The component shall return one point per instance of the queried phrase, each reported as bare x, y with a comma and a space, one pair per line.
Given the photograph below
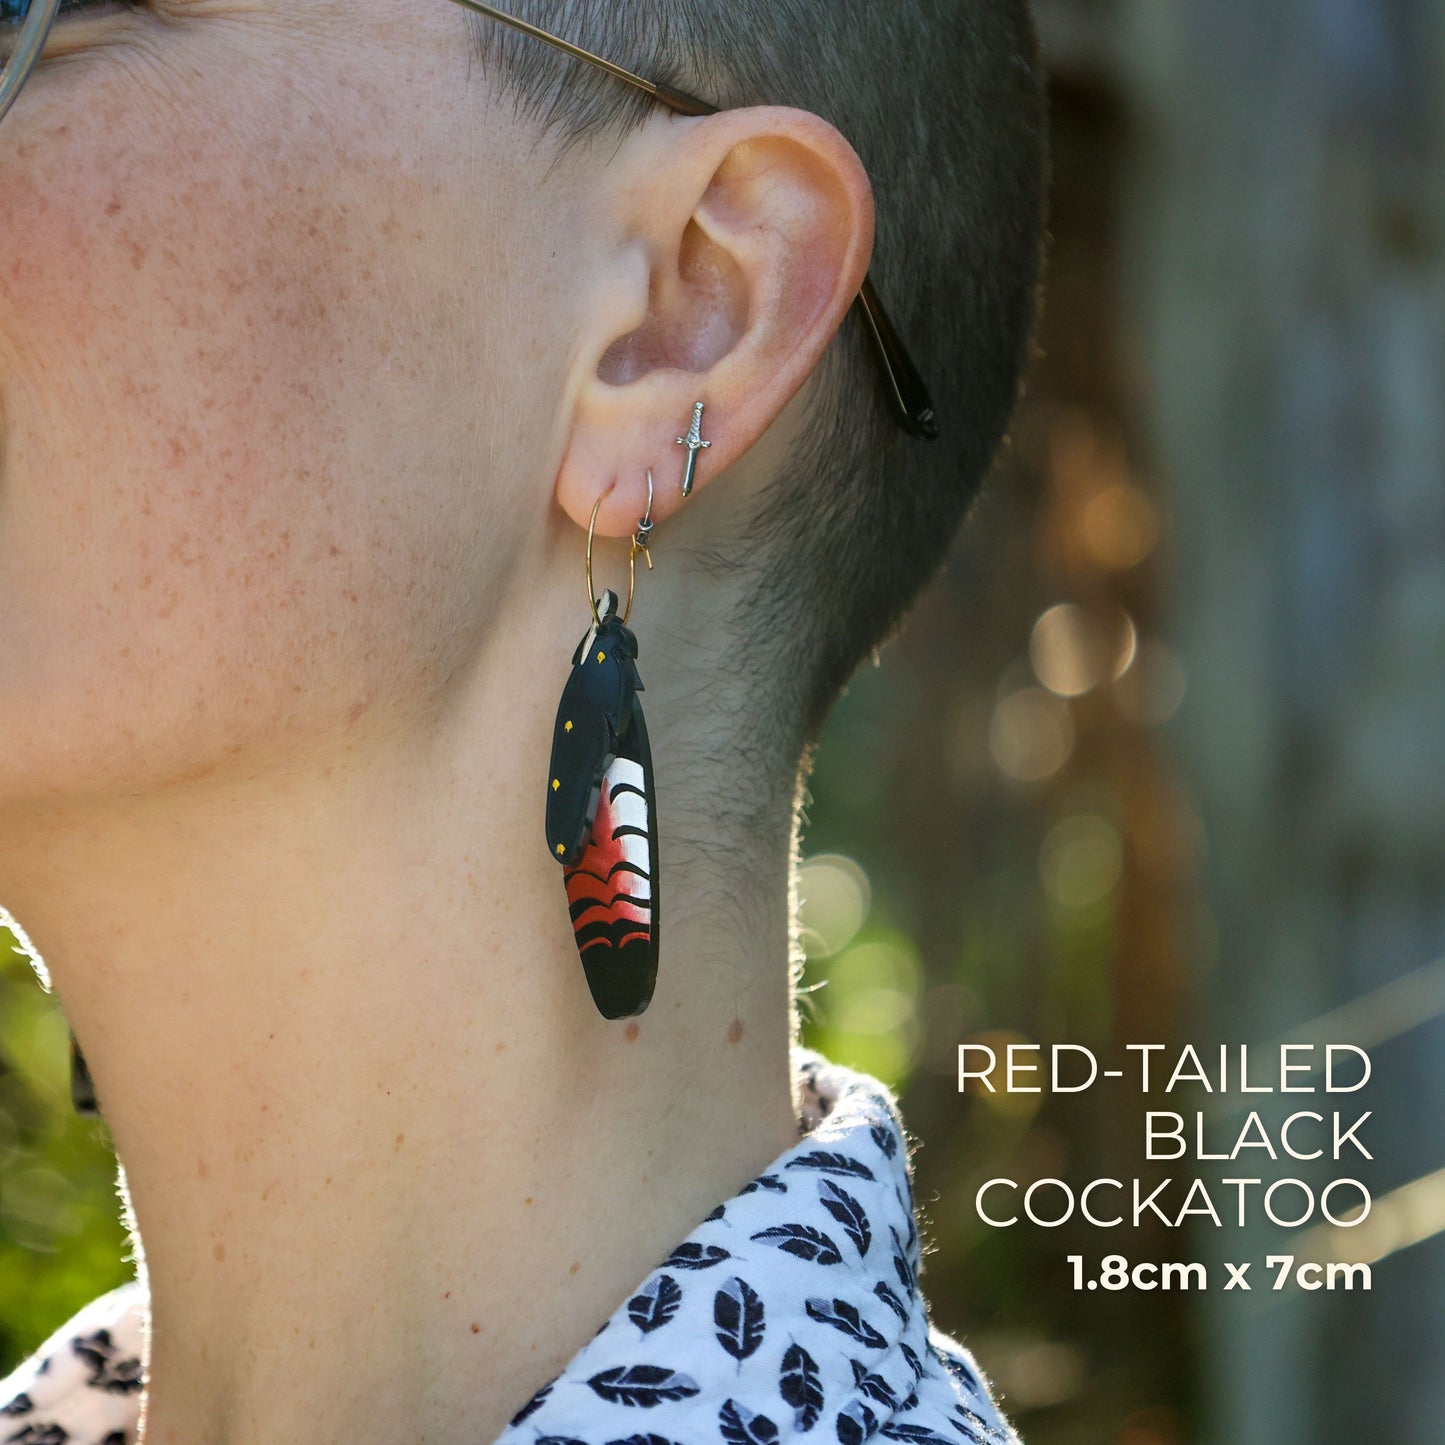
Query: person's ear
741, 240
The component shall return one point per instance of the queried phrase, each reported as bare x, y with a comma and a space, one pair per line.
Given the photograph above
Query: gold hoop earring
639, 544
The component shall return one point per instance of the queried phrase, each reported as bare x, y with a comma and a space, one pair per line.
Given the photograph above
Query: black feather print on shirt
877, 1388
920, 1434
803, 1240
891, 1300
532, 1405
903, 1265
741, 1426
830, 1163
111, 1368
885, 1139
856, 1423
737, 1313
975, 1428
655, 1304
957, 1368
765, 1181
905, 1206
801, 1386
41, 1435
845, 1317
642, 1385
695, 1256
848, 1212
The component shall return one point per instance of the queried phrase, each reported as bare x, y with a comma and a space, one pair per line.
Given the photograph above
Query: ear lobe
757, 225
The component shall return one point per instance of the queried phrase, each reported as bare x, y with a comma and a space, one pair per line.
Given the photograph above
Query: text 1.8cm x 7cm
1117, 1273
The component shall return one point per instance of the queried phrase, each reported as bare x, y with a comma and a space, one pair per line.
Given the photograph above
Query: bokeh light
866, 1009
1120, 526
1074, 649
1032, 735
1081, 860
833, 901
1150, 692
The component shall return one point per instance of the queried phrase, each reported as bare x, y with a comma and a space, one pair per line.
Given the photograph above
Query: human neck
388, 1167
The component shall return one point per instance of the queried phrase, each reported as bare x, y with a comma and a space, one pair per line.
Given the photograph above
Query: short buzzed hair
943, 101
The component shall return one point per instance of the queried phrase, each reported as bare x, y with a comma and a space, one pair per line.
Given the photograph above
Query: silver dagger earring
694, 443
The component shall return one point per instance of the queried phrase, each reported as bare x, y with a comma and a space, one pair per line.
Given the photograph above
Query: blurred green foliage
61, 1242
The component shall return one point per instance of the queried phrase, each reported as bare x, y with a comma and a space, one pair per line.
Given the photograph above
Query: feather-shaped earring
601, 802
601, 807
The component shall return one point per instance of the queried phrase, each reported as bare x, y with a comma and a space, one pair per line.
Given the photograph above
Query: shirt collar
791, 1312
793, 1305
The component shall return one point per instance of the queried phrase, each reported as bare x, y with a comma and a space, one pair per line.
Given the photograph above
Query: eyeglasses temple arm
22, 61
906, 389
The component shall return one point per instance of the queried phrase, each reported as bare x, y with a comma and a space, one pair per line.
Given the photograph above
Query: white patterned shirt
792, 1313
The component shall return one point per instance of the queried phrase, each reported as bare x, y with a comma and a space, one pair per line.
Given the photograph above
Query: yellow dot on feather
601, 657
556, 783
567, 726
561, 847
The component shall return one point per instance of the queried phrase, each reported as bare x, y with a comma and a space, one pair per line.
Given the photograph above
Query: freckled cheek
197, 510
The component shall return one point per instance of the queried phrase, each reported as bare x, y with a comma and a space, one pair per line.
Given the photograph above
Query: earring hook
644, 527
639, 542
